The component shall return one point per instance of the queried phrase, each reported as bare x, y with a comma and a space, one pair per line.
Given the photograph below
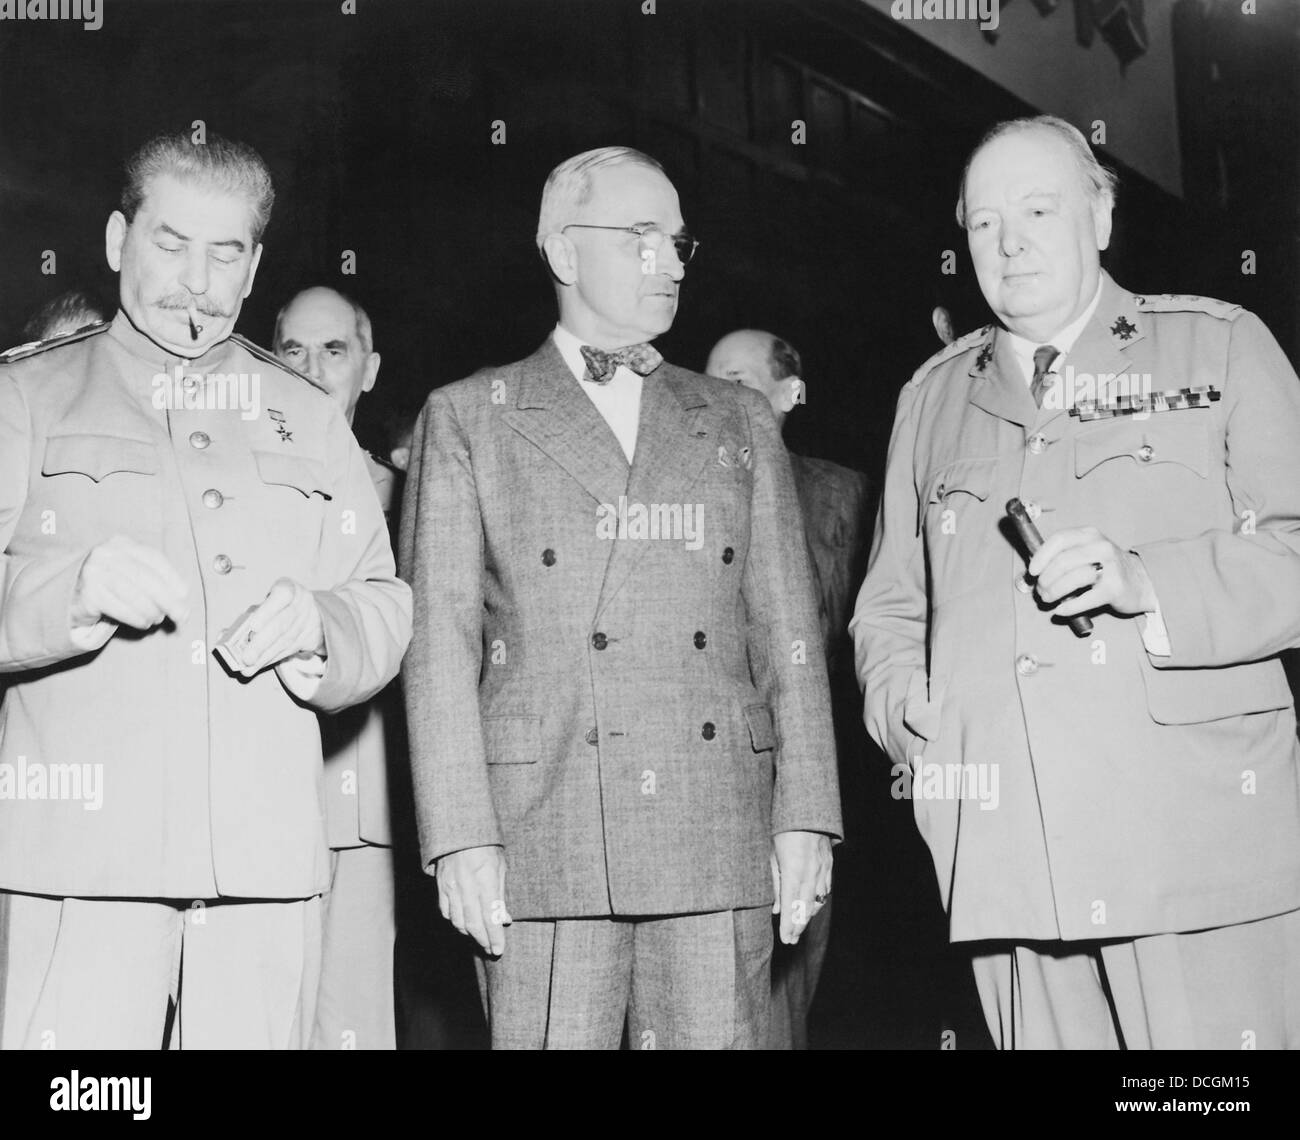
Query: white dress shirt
619, 401
1155, 636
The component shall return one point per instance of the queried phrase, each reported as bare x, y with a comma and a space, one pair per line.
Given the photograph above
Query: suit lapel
1101, 350
556, 415
676, 435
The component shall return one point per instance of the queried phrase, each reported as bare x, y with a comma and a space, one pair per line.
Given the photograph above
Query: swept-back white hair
1099, 182
568, 187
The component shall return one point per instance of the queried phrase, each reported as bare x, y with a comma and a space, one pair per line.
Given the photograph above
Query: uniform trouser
100, 973
795, 972
355, 1006
697, 981
1227, 988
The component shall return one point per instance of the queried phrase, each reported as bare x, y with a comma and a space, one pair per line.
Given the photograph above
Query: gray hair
365, 332
1099, 182
568, 188
220, 163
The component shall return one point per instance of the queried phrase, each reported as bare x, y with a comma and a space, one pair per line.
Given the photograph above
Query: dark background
378, 130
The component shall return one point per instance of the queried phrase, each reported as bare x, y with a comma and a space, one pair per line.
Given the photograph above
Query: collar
570, 348
1023, 350
143, 348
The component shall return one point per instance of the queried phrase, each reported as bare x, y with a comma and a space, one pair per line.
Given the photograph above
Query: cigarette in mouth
195, 327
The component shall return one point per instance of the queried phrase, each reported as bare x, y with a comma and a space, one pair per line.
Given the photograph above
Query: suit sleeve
441, 556
785, 640
890, 618
1230, 596
35, 593
366, 617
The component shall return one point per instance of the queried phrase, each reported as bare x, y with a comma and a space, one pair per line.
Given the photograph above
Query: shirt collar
571, 349
1063, 341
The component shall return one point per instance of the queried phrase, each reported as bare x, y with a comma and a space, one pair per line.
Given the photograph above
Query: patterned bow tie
641, 358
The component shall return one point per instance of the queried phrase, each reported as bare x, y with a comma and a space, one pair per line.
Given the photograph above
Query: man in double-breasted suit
617, 701
1113, 813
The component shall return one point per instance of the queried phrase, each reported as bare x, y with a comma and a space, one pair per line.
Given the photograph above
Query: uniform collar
143, 348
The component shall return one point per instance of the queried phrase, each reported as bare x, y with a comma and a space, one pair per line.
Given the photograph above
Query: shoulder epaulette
960, 345
35, 347
1184, 303
270, 357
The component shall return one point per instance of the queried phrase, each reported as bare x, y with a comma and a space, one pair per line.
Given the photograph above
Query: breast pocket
1166, 445
101, 485
293, 504
960, 528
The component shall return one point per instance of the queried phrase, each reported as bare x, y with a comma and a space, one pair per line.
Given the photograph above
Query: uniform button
190, 383
599, 640
212, 498
592, 737
548, 557
222, 564
1038, 443
1026, 665
1024, 585
708, 731
1032, 509
1145, 452
728, 555
700, 640
199, 439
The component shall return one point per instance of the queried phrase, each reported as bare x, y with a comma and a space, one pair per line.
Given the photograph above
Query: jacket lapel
676, 435
997, 385
1101, 350
555, 414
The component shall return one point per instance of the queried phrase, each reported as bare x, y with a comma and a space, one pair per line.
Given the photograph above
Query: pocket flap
1145, 443
969, 476
98, 455
762, 736
1191, 696
296, 471
512, 739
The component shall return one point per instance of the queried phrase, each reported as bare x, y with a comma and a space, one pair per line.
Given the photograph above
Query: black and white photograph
650, 525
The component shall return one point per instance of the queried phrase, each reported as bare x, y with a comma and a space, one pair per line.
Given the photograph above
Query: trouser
1232, 987
355, 1006
101, 973
795, 972
697, 981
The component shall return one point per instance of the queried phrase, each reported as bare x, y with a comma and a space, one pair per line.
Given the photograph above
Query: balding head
762, 361
327, 335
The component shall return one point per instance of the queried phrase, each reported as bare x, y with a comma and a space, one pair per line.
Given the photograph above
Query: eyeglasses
651, 238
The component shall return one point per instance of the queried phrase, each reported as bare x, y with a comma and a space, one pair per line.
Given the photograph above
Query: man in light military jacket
619, 721
194, 565
1114, 818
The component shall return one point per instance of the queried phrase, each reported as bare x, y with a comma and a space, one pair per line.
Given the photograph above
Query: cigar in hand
1080, 623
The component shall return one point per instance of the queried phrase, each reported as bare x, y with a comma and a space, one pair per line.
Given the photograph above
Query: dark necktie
641, 358
1043, 358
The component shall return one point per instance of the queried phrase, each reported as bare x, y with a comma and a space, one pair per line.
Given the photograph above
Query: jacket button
1026, 665
548, 557
222, 564
708, 731
1024, 585
1145, 452
700, 640
1038, 443
592, 737
728, 555
212, 498
199, 439
599, 640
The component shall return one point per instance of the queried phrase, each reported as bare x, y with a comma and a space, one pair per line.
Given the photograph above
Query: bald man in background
833, 502
327, 336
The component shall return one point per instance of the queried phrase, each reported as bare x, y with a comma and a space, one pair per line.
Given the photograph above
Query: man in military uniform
329, 338
194, 565
1113, 814
833, 505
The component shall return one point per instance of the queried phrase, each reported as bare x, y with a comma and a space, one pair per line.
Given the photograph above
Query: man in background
833, 503
328, 337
